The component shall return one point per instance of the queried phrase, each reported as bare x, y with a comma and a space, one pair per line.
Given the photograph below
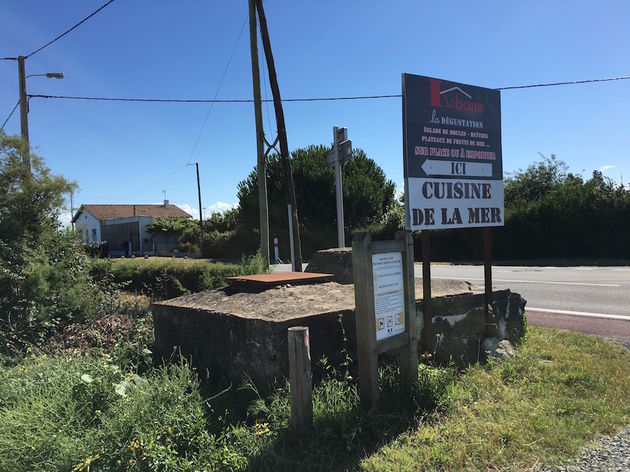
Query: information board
452, 154
389, 294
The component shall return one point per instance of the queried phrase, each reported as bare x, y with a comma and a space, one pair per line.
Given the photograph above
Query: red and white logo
452, 98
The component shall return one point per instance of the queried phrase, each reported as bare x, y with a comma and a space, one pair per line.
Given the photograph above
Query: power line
68, 30
295, 100
148, 186
203, 100
573, 82
227, 66
212, 102
10, 115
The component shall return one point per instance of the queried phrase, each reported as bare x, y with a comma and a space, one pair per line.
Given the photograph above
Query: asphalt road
592, 300
587, 299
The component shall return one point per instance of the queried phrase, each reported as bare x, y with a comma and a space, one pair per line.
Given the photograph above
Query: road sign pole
491, 327
340, 152
341, 237
427, 304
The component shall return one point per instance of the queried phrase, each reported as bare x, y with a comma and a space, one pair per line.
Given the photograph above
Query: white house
124, 227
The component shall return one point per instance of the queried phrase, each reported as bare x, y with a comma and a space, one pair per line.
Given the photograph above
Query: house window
94, 234
87, 238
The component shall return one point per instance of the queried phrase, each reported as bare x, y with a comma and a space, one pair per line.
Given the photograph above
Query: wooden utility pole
260, 137
72, 208
200, 214
26, 152
282, 134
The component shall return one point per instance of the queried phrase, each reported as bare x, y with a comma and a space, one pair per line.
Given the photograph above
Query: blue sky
130, 152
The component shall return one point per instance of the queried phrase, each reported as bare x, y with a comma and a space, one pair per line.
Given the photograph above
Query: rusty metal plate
279, 278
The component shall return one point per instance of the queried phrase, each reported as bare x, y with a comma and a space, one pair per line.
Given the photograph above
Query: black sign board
452, 154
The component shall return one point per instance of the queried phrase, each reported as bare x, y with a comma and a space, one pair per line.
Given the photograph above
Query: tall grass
84, 413
94, 413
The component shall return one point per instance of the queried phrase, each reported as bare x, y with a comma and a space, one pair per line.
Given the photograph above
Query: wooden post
26, 147
408, 355
260, 137
364, 317
300, 379
282, 134
491, 328
427, 304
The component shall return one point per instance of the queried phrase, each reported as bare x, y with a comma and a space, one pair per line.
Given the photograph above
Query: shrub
44, 280
230, 244
168, 278
45, 289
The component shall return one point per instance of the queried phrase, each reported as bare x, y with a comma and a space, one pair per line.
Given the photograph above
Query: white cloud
606, 167
220, 207
193, 211
65, 218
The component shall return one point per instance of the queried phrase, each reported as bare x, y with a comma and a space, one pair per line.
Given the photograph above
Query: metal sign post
384, 293
340, 153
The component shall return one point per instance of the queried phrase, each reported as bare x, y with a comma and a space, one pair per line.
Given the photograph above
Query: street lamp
49, 75
26, 158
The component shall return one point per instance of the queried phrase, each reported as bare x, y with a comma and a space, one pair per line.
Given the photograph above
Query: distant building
124, 227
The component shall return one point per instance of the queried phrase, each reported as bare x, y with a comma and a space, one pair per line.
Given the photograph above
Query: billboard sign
453, 165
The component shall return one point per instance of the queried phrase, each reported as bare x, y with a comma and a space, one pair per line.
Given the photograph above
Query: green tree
222, 221
552, 213
534, 183
367, 195
44, 272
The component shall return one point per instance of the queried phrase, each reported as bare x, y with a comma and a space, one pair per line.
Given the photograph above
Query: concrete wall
229, 346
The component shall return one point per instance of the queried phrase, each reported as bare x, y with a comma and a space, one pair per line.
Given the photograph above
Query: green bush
230, 244
168, 278
44, 280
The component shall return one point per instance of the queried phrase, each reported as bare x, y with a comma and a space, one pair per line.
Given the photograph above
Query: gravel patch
610, 454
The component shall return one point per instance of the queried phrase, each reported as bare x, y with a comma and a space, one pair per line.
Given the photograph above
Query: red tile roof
112, 212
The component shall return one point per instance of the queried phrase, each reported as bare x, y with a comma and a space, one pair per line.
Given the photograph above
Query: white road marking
579, 313
513, 281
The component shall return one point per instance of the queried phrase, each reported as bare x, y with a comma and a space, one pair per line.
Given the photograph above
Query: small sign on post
384, 287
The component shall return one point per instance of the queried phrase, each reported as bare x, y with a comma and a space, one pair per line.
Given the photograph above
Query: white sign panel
389, 294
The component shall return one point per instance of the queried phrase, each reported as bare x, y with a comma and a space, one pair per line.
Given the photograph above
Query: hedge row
167, 278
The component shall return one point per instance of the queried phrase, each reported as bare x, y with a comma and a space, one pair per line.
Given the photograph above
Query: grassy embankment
112, 410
